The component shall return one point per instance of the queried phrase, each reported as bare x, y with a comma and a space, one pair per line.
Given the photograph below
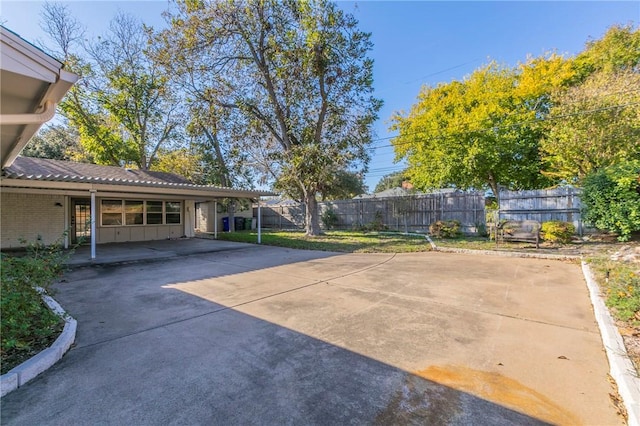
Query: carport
52, 201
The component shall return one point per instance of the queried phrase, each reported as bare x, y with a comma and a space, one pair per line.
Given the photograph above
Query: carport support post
259, 223
93, 224
67, 229
215, 220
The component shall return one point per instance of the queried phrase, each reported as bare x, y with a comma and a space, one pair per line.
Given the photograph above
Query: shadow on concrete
155, 350
147, 251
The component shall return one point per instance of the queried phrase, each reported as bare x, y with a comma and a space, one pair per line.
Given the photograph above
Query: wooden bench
519, 230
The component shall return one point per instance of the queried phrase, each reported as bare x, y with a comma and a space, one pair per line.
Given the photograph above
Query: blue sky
416, 43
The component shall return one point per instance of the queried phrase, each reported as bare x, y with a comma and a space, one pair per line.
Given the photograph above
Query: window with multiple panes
111, 212
172, 211
154, 212
138, 212
133, 212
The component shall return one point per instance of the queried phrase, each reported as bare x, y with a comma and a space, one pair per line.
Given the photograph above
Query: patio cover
32, 84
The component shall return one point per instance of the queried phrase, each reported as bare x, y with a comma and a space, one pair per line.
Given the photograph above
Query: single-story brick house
44, 199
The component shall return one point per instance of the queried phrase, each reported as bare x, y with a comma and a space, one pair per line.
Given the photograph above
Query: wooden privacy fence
413, 213
417, 212
543, 205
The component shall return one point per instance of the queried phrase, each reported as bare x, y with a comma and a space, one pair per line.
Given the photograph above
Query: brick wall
27, 216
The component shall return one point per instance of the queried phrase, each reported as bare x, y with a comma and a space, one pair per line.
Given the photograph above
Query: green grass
480, 243
338, 241
621, 289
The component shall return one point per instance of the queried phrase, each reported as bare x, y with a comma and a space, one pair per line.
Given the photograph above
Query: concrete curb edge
41, 362
507, 253
621, 367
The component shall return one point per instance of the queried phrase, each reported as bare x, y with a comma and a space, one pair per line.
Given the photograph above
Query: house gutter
33, 118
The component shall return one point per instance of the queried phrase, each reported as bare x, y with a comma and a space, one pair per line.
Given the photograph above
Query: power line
508, 115
386, 170
508, 126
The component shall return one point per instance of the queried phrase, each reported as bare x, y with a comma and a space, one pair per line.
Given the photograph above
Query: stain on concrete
419, 402
498, 389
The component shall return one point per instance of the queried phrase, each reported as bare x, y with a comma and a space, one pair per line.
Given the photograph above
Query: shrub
377, 224
26, 320
481, 230
611, 198
329, 218
557, 231
445, 229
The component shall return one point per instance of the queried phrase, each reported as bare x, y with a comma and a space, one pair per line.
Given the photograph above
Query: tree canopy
391, 180
123, 107
474, 133
549, 119
57, 142
294, 79
597, 125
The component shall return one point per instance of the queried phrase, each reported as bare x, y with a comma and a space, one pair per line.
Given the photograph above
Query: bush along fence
415, 213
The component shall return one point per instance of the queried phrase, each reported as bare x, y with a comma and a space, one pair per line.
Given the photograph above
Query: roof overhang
32, 84
201, 193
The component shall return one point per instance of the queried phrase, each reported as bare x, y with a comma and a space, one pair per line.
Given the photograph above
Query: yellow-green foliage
557, 231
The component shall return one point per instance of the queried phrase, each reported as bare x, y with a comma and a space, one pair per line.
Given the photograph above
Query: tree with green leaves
57, 142
294, 75
391, 180
595, 122
343, 185
123, 107
479, 132
617, 50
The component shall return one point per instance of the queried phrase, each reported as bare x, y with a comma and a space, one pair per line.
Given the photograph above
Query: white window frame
123, 212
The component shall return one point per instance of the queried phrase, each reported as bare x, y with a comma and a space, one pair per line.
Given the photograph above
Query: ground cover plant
27, 325
338, 241
620, 285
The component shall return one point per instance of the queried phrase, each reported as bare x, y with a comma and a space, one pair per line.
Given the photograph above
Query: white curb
519, 254
29, 369
621, 367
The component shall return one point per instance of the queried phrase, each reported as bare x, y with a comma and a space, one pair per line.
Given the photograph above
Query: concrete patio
245, 334
113, 253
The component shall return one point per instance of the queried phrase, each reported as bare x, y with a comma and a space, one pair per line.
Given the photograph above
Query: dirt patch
631, 337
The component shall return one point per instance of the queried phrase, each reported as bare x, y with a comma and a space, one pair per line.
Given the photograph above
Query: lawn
338, 241
366, 242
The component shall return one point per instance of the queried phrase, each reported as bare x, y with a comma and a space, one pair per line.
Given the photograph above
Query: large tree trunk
225, 176
312, 224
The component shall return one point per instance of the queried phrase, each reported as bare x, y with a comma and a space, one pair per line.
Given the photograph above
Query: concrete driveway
264, 335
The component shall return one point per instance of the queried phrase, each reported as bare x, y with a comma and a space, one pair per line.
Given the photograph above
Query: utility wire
503, 127
386, 170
